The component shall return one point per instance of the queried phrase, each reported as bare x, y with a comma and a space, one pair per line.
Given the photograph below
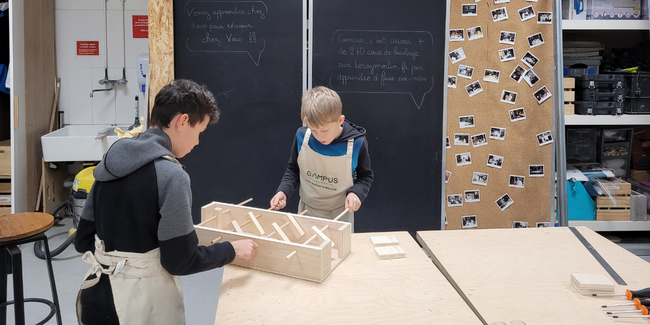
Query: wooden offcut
293, 245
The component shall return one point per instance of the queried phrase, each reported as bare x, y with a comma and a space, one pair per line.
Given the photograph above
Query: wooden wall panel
40, 84
161, 46
520, 147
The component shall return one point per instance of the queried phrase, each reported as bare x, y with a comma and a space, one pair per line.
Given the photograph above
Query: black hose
38, 245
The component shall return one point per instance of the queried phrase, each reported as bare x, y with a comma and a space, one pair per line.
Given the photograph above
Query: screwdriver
643, 293
636, 303
643, 310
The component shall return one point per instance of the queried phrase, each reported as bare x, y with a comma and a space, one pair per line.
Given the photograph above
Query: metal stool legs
17, 270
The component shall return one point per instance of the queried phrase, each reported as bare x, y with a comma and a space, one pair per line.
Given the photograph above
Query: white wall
83, 20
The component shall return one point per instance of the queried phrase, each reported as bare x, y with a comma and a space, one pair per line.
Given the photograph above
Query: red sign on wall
87, 47
140, 26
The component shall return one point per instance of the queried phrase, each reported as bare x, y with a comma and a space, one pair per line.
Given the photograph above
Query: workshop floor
201, 291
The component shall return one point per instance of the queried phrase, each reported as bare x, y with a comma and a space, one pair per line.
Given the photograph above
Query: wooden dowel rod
342, 214
303, 213
216, 240
291, 254
249, 221
225, 211
273, 232
242, 203
310, 239
205, 222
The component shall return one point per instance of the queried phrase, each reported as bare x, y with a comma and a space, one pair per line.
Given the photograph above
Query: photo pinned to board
504, 201
519, 224
507, 37
535, 40
472, 196
491, 75
535, 170
454, 200
466, 121
517, 73
506, 55
447, 176
531, 78
447, 144
469, 10
516, 181
517, 114
479, 140
530, 60
544, 138
473, 88
480, 178
508, 96
461, 139
457, 55
456, 35
530, 0
526, 13
495, 161
463, 159
543, 224
451, 81
496, 2
497, 133
469, 221
544, 18
499, 14
465, 71
542, 94
474, 33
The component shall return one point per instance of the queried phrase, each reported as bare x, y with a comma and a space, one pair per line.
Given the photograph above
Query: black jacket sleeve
291, 179
365, 176
85, 235
184, 256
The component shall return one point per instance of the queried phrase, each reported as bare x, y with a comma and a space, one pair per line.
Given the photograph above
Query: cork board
488, 132
161, 46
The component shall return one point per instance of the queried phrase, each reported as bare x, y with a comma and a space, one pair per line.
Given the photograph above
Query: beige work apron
324, 182
143, 291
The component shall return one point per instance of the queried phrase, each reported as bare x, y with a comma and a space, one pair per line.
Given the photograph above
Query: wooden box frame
289, 244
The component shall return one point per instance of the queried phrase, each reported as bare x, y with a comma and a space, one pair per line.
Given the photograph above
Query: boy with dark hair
136, 227
329, 160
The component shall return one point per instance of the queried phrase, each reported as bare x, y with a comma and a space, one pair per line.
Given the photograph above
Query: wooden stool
16, 229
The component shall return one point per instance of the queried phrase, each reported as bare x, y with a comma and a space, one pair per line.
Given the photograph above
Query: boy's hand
245, 249
352, 202
279, 201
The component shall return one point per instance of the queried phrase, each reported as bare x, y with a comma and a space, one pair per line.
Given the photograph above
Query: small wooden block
569, 109
389, 252
569, 96
597, 282
377, 241
569, 83
257, 224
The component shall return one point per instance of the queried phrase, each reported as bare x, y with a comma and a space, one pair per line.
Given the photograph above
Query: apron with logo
324, 182
143, 291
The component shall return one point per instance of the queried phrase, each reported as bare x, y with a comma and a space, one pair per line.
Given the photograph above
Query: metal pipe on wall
560, 142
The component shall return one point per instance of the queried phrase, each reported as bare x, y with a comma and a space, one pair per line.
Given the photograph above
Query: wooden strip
296, 229
292, 254
280, 232
321, 234
274, 232
253, 219
236, 226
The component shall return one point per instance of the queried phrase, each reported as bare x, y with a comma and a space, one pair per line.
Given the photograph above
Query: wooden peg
249, 221
207, 221
291, 254
242, 203
303, 213
237, 227
226, 211
296, 229
310, 239
342, 214
321, 234
257, 224
280, 232
216, 240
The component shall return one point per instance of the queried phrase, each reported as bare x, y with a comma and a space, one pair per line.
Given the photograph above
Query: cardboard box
613, 9
5, 158
640, 175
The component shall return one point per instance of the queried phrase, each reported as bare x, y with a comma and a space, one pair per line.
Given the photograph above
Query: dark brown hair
183, 97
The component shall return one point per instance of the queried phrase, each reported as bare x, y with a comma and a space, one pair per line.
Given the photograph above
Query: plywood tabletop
525, 274
362, 290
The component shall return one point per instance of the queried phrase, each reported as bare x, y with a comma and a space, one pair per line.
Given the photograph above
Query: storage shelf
624, 119
612, 225
605, 25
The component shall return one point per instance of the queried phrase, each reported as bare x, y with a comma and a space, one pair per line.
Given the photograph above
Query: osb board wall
161, 46
40, 84
520, 147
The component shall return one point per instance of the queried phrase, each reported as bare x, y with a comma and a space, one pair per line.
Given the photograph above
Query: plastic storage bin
598, 108
637, 94
580, 205
581, 145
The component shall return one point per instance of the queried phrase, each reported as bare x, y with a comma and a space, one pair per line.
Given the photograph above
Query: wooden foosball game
294, 245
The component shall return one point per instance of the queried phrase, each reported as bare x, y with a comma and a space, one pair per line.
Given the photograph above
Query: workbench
362, 290
525, 274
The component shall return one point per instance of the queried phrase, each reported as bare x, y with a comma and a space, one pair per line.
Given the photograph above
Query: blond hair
320, 105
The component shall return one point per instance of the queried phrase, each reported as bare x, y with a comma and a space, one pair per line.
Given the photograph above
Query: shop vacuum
71, 208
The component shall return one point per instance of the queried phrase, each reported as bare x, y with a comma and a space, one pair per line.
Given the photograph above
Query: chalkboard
386, 60
250, 55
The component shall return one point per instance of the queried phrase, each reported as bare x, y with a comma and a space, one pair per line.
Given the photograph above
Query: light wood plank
525, 274
362, 290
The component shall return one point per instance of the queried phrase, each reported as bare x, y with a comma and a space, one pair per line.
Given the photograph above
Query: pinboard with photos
499, 114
